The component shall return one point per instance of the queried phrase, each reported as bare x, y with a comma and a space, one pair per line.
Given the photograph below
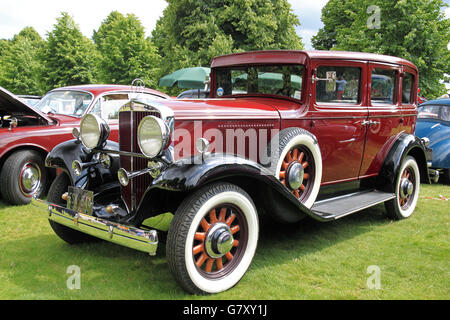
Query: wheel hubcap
297, 172
30, 178
295, 175
406, 188
219, 241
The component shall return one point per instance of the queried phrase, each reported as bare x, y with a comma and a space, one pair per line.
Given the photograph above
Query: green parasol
191, 78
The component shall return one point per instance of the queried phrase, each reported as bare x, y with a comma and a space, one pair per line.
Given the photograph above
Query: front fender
406, 144
62, 156
187, 175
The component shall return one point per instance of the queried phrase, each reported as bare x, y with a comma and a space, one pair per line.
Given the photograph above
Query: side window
338, 84
108, 106
383, 86
407, 88
445, 113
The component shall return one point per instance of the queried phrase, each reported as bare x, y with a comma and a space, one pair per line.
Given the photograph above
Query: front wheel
22, 177
212, 238
406, 190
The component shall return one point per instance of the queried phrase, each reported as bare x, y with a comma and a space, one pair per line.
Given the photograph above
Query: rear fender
405, 145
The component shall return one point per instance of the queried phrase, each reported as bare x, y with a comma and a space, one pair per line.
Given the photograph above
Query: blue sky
42, 14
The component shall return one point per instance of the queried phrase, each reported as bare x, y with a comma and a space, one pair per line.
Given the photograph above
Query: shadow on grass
292, 241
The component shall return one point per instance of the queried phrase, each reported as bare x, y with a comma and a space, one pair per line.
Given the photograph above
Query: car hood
202, 109
10, 104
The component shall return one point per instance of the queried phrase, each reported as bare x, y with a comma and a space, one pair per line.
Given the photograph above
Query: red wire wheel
220, 241
297, 172
212, 238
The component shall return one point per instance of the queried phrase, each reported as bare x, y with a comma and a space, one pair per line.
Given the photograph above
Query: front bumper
127, 236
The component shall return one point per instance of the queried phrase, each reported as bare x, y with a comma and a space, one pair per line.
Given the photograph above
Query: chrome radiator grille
128, 125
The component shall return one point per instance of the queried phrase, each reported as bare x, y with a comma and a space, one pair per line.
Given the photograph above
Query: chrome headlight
94, 131
153, 136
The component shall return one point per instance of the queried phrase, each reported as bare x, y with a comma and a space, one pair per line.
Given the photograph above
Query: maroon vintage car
28, 133
289, 134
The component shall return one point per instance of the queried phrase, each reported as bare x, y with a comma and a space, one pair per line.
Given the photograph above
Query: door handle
369, 122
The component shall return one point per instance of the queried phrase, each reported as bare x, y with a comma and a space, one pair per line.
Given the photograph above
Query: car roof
97, 89
436, 102
300, 56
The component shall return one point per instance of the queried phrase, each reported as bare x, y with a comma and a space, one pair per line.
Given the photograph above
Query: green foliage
20, 64
191, 32
415, 30
68, 57
125, 52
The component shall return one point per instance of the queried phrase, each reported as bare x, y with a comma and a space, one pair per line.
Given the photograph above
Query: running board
335, 208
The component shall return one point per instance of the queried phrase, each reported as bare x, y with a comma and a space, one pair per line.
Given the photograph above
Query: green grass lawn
311, 260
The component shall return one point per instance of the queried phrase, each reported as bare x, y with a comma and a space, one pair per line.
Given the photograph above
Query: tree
68, 57
20, 64
125, 52
191, 32
415, 30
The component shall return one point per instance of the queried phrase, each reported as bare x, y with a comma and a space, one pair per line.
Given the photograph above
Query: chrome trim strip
121, 153
127, 236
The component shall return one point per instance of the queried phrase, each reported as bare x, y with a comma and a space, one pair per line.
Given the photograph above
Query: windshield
439, 112
283, 80
71, 103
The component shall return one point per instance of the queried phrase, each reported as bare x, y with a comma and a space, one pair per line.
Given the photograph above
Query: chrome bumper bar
127, 236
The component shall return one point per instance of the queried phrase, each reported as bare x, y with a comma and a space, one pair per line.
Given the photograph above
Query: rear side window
407, 88
338, 84
383, 86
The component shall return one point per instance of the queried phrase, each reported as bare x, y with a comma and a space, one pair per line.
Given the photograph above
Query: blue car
434, 123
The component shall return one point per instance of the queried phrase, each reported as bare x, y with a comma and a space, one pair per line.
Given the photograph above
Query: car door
385, 120
337, 117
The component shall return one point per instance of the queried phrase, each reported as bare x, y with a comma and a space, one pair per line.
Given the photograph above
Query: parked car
30, 99
27, 134
433, 123
323, 147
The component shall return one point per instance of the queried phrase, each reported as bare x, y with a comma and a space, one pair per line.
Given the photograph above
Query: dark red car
27, 134
290, 134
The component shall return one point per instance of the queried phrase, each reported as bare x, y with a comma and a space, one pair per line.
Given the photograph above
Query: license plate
80, 200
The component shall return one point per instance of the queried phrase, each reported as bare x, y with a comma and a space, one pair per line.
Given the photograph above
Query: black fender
62, 156
404, 145
187, 175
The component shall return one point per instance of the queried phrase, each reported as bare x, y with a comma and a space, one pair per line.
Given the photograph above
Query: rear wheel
69, 235
406, 190
212, 239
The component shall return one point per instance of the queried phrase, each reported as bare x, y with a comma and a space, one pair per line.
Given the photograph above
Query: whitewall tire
213, 238
407, 187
